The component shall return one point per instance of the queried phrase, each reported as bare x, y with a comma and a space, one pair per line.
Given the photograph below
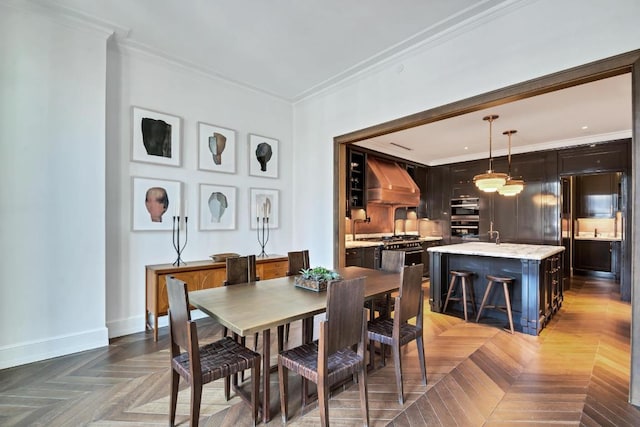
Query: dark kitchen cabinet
438, 192
362, 257
593, 255
605, 157
425, 255
419, 176
356, 175
597, 195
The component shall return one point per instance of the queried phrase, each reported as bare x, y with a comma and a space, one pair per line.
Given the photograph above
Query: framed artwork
264, 205
263, 156
216, 148
217, 207
154, 203
156, 137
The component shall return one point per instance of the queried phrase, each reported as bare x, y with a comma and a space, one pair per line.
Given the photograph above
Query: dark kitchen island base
537, 290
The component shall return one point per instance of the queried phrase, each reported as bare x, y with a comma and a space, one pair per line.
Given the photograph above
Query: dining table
258, 306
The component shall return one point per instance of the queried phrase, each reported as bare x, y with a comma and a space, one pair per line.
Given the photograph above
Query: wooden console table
197, 275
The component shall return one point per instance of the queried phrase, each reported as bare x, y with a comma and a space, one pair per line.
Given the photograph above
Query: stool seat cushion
501, 279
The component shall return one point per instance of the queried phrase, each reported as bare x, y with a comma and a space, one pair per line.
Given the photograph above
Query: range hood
389, 183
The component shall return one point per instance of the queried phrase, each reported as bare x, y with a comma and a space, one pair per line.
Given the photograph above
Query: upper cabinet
356, 176
597, 195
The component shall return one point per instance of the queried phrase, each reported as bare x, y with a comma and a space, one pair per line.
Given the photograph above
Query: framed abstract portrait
156, 137
264, 207
263, 156
217, 207
154, 203
216, 148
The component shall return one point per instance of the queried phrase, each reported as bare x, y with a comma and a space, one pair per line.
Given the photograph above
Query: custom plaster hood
388, 183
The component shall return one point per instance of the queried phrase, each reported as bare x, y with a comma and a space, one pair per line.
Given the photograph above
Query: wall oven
465, 218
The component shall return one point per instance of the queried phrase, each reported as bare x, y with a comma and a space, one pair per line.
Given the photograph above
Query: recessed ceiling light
466, 148
585, 127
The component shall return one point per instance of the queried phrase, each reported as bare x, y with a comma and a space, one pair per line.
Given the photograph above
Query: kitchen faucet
491, 232
353, 226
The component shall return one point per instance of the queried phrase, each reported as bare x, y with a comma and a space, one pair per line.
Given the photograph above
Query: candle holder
176, 239
263, 237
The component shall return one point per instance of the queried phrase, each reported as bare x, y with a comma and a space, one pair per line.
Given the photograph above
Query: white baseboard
35, 351
132, 325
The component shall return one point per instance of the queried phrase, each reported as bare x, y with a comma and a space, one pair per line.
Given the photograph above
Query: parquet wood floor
575, 373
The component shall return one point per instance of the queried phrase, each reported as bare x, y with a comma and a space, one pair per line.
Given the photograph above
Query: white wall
136, 79
52, 169
528, 40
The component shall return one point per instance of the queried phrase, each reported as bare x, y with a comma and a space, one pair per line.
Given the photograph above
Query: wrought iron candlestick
263, 237
176, 238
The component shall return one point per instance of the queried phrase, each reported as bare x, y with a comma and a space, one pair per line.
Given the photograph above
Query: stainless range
409, 244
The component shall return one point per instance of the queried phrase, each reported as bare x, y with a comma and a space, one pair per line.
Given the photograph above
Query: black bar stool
506, 308
466, 285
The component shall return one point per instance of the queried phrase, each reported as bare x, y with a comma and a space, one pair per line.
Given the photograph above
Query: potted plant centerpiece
315, 279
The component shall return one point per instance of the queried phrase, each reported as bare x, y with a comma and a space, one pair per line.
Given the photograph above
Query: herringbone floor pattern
575, 373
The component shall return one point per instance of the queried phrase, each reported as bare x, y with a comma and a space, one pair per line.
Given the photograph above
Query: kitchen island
537, 270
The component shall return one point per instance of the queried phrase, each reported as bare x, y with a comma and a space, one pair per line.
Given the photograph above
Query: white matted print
263, 156
216, 148
156, 137
154, 203
217, 207
264, 207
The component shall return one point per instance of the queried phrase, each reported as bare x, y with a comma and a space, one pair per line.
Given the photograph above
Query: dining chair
201, 365
241, 269
398, 332
332, 358
297, 261
392, 261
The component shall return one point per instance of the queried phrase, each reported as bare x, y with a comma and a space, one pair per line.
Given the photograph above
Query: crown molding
68, 17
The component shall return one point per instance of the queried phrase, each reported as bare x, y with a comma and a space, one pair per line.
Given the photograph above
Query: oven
465, 218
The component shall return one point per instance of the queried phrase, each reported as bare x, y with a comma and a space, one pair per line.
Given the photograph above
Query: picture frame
147, 213
258, 197
155, 137
216, 148
218, 206
263, 156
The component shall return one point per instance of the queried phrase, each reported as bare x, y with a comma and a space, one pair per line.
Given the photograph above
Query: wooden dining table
259, 306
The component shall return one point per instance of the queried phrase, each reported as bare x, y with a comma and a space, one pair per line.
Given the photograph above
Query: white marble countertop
503, 250
598, 238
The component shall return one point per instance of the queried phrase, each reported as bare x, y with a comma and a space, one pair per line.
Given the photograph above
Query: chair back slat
410, 293
297, 261
241, 269
179, 314
345, 299
392, 261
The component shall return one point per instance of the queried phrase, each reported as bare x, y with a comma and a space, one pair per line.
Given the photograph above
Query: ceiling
291, 49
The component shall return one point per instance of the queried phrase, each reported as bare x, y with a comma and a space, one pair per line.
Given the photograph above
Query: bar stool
466, 284
506, 282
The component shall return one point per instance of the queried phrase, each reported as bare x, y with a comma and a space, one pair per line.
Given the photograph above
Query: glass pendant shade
511, 187
491, 181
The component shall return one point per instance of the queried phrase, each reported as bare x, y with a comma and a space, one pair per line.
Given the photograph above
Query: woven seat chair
201, 365
397, 332
331, 358
383, 305
297, 261
241, 269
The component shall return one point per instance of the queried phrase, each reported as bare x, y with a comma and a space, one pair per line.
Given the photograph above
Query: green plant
319, 274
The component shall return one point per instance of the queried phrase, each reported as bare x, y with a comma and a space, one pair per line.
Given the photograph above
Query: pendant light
491, 181
512, 186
